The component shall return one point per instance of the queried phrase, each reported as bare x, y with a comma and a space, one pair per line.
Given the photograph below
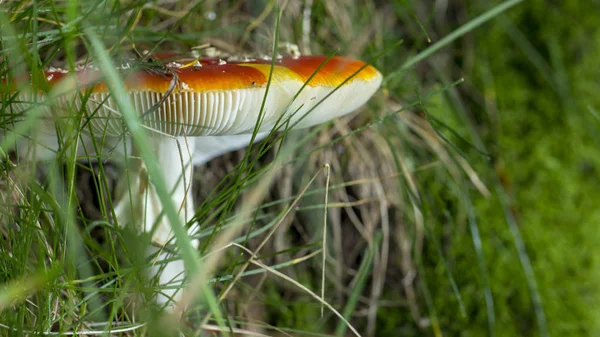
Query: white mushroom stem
141, 204
175, 157
209, 147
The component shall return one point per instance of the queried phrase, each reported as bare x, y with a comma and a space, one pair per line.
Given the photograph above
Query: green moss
529, 93
546, 152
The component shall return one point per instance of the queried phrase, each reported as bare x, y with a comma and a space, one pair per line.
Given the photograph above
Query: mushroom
213, 98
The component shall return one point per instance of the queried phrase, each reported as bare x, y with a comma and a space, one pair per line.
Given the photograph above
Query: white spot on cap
56, 70
222, 62
81, 67
292, 50
174, 65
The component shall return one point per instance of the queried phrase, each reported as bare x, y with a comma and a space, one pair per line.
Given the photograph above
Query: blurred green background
530, 96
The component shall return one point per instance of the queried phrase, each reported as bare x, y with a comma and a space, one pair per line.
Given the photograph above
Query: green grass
461, 200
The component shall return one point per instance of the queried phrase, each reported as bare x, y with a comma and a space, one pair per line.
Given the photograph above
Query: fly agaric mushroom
214, 97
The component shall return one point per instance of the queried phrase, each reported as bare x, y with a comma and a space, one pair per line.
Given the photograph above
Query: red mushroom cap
217, 97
